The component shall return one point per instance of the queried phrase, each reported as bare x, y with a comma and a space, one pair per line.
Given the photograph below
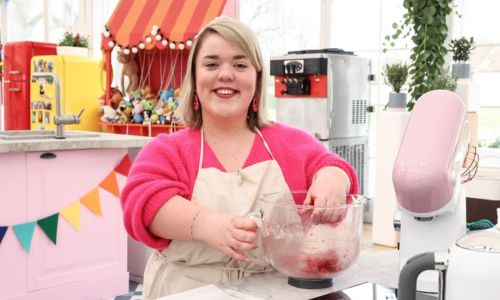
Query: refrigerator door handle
15, 90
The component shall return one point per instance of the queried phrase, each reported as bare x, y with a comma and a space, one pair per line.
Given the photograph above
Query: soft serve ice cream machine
325, 92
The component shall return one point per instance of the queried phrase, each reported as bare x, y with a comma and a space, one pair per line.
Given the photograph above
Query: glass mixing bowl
310, 244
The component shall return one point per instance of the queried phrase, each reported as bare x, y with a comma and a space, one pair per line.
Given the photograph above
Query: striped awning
146, 23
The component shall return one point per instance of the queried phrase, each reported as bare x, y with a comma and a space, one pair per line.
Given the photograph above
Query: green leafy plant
444, 81
462, 48
396, 75
75, 40
425, 22
494, 144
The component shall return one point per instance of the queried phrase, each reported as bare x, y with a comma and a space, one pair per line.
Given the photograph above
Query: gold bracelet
192, 223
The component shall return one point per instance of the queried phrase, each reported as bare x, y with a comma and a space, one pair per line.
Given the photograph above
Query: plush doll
145, 90
136, 95
130, 69
146, 116
166, 94
138, 118
151, 98
116, 98
158, 108
108, 114
177, 93
154, 118
128, 111
147, 105
138, 108
124, 111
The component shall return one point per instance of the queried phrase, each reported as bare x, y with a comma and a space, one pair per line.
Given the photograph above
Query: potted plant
424, 22
444, 81
73, 44
461, 49
396, 75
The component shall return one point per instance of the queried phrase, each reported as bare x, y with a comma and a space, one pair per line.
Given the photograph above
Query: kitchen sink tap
59, 119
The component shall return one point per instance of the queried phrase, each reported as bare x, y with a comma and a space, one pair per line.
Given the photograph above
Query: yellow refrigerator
81, 83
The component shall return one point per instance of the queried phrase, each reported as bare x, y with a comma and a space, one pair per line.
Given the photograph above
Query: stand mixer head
427, 177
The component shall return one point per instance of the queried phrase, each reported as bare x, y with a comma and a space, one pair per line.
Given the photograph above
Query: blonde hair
241, 36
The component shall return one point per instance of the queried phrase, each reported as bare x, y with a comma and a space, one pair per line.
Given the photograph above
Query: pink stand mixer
427, 177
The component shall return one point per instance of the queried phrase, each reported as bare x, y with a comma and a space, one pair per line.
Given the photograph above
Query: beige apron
185, 265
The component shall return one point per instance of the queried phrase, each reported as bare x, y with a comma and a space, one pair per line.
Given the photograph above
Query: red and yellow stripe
178, 20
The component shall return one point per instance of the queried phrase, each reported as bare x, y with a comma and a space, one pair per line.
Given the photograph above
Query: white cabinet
391, 127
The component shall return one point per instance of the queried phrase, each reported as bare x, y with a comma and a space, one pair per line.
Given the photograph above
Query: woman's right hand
229, 234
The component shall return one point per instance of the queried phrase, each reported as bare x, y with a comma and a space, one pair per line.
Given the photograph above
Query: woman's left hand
329, 188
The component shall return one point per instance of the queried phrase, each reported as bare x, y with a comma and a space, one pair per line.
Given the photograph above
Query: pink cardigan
168, 165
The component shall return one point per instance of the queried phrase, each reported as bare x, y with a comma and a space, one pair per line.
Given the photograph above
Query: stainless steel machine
325, 92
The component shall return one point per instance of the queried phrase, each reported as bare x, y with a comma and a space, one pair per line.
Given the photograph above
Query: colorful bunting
24, 233
49, 226
91, 200
110, 184
3, 230
124, 166
72, 215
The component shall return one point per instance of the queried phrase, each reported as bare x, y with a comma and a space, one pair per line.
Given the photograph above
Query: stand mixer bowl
310, 244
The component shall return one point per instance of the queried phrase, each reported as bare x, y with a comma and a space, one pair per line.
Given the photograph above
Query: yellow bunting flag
72, 215
110, 184
92, 201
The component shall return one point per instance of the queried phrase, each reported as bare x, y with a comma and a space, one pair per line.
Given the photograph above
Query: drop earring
196, 102
255, 105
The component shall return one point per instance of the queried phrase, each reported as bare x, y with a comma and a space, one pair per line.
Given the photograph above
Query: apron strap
265, 144
202, 149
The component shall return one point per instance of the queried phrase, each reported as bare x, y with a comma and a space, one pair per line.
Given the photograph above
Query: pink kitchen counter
40, 178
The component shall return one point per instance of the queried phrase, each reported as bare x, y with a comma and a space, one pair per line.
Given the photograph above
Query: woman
188, 193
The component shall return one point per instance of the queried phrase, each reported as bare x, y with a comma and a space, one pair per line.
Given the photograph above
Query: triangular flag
24, 233
91, 200
110, 184
3, 230
49, 226
124, 166
72, 214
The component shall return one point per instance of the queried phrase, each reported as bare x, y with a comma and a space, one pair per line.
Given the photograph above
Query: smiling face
225, 80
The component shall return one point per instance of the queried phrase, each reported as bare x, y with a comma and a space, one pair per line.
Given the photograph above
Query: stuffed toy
147, 105
108, 114
177, 93
116, 98
154, 118
158, 108
138, 118
166, 94
145, 90
130, 69
138, 108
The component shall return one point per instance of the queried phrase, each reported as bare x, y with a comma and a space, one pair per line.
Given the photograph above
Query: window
47, 20
63, 16
480, 22
282, 26
24, 20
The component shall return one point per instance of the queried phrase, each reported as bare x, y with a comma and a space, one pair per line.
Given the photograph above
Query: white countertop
103, 140
380, 267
